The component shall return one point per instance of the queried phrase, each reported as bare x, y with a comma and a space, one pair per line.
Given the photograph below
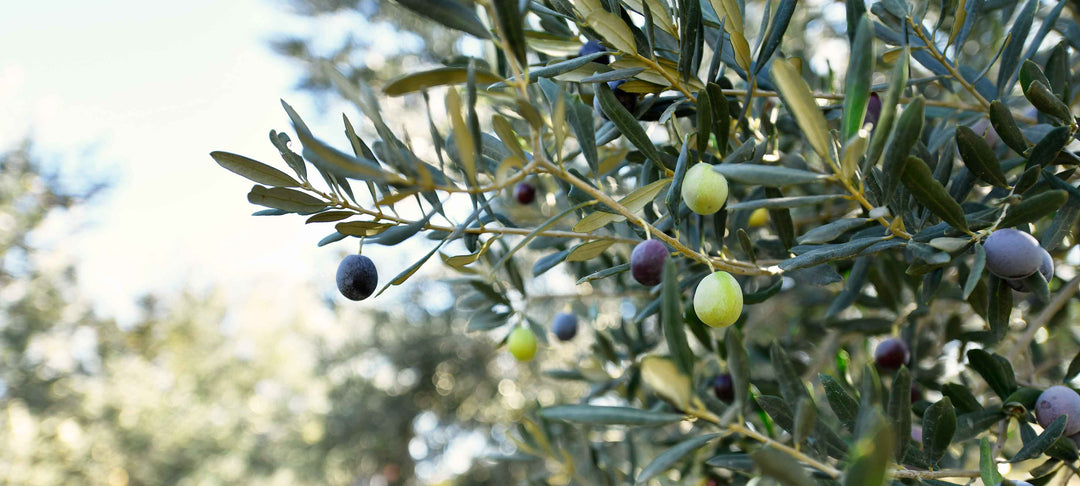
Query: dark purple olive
1046, 269
891, 354
1055, 402
525, 193
873, 109
916, 393
357, 277
592, 47
724, 387
1012, 254
647, 262
565, 326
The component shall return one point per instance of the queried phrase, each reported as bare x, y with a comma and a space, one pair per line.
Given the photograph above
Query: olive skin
1055, 402
647, 262
873, 110
524, 193
592, 47
1046, 269
718, 299
704, 190
522, 344
357, 277
565, 326
1012, 254
724, 387
891, 354
1013, 482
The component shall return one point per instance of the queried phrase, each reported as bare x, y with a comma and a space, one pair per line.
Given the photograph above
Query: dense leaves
844, 221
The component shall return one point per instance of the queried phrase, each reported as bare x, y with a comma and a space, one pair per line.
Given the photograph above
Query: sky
140, 94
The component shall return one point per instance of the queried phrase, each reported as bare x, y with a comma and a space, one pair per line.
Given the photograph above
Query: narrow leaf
929, 192
284, 199
908, 130
1040, 444
857, 83
1005, 126
1033, 208
841, 402
900, 411
800, 102
767, 175
668, 458
450, 13
413, 82
979, 158
672, 319
254, 170
939, 426
987, 467
607, 415
627, 124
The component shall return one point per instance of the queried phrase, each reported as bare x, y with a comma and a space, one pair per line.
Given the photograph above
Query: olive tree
781, 267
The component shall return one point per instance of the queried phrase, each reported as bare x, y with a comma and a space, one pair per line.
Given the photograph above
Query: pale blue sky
141, 92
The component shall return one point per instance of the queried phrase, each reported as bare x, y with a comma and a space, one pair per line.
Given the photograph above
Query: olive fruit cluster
1014, 255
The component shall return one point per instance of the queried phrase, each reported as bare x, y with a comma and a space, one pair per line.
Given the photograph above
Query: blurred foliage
193, 392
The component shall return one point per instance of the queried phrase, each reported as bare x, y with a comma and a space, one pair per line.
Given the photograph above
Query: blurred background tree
197, 393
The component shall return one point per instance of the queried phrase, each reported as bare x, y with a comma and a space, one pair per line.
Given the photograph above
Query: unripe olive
565, 326
647, 262
1055, 402
891, 354
357, 277
758, 217
1012, 254
718, 299
522, 343
704, 190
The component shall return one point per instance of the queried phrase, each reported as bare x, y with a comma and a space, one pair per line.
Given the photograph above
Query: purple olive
1013, 482
1055, 402
357, 277
1012, 254
525, 193
565, 326
916, 433
873, 109
891, 354
647, 262
1046, 269
724, 387
592, 47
